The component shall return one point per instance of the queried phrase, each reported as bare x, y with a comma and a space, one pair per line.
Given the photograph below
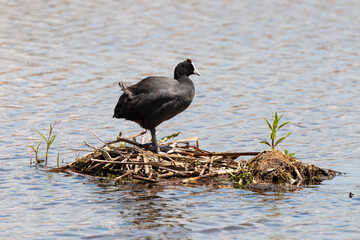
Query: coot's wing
143, 105
131, 103
151, 84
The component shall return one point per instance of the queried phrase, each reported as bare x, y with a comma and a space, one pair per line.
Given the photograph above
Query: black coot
156, 99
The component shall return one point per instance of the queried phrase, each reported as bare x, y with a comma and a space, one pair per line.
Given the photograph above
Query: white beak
196, 71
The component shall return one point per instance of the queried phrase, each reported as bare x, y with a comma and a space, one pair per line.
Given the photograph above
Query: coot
156, 99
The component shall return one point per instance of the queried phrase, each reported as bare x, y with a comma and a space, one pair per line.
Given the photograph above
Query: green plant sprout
58, 160
274, 128
244, 177
289, 154
36, 151
49, 141
172, 136
121, 144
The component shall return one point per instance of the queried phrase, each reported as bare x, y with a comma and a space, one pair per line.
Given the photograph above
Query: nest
125, 160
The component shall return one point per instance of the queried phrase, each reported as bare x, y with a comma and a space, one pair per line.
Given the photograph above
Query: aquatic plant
172, 136
49, 141
289, 154
36, 151
275, 127
58, 160
243, 177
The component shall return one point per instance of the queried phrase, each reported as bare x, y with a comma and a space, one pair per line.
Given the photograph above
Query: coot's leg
154, 140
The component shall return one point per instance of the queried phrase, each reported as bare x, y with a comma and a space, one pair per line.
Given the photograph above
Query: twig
157, 164
95, 148
180, 173
166, 175
106, 155
230, 154
98, 137
211, 164
298, 175
146, 167
104, 152
131, 137
106, 144
79, 150
144, 179
119, 139
137, 135
203, 169
123, 176
194, 179
96, 165
137, 166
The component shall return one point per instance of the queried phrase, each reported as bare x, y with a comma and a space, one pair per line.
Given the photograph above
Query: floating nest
125, 160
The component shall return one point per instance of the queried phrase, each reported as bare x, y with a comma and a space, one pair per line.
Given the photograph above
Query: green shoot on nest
121, 144
289, 154
274, 128
243, 177
172, 136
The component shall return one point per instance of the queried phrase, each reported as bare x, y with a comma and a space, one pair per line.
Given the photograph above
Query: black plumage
156, 99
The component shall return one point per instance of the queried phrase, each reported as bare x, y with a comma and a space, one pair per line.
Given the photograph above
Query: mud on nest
275, 167
125, 160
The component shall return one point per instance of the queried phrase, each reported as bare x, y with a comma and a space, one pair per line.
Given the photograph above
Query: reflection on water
61, 60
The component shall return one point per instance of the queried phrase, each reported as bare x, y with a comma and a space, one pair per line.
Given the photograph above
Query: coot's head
186, 68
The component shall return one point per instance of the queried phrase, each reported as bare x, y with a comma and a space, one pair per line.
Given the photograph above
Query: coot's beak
196, 71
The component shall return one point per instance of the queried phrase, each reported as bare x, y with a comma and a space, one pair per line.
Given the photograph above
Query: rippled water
61, 61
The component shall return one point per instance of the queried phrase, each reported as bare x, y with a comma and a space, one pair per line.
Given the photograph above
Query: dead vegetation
275, 167
125, 160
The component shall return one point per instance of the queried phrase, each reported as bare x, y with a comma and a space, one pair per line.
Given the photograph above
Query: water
61, 61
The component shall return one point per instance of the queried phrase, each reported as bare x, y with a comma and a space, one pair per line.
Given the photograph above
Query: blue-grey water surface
62, 60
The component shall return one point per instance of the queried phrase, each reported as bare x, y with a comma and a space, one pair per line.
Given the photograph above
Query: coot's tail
118, 111
119, 108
